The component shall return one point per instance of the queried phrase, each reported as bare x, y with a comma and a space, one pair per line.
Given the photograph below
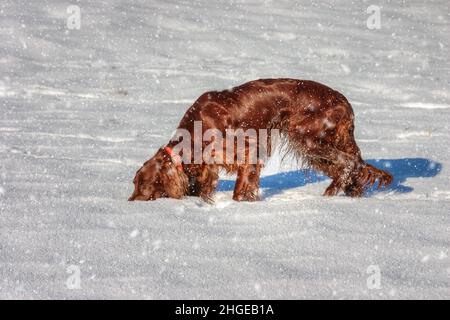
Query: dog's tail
369, 175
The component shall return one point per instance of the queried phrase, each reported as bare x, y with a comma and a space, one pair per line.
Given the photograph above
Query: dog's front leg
247, 183
207, 181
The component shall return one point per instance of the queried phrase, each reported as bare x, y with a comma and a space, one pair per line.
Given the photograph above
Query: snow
81, 110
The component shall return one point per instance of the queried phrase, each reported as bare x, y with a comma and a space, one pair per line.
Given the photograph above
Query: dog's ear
175, 181
137, 182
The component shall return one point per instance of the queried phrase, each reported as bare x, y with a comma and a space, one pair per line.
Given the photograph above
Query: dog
315, 121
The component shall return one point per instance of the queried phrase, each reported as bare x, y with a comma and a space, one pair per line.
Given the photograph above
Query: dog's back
262, 103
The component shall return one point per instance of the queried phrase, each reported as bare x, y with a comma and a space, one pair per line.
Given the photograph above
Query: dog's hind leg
336, 154
247, 183
363, 175
326, 142
337, 165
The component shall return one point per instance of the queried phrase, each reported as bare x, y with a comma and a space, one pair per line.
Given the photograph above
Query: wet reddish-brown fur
316, 122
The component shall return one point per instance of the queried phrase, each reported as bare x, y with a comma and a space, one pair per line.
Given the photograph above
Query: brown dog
315, 121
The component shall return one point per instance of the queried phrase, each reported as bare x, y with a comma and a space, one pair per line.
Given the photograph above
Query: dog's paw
332, 190
247, 195
207, 197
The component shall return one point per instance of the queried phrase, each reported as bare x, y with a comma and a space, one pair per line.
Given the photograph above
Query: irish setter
316, 122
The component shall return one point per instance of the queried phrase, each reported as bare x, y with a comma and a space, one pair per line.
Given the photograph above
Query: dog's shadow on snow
401, 169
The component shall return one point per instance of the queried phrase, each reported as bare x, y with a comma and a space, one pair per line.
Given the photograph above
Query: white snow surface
81, 110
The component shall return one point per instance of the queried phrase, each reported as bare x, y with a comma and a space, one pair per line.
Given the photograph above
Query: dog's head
160, 177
